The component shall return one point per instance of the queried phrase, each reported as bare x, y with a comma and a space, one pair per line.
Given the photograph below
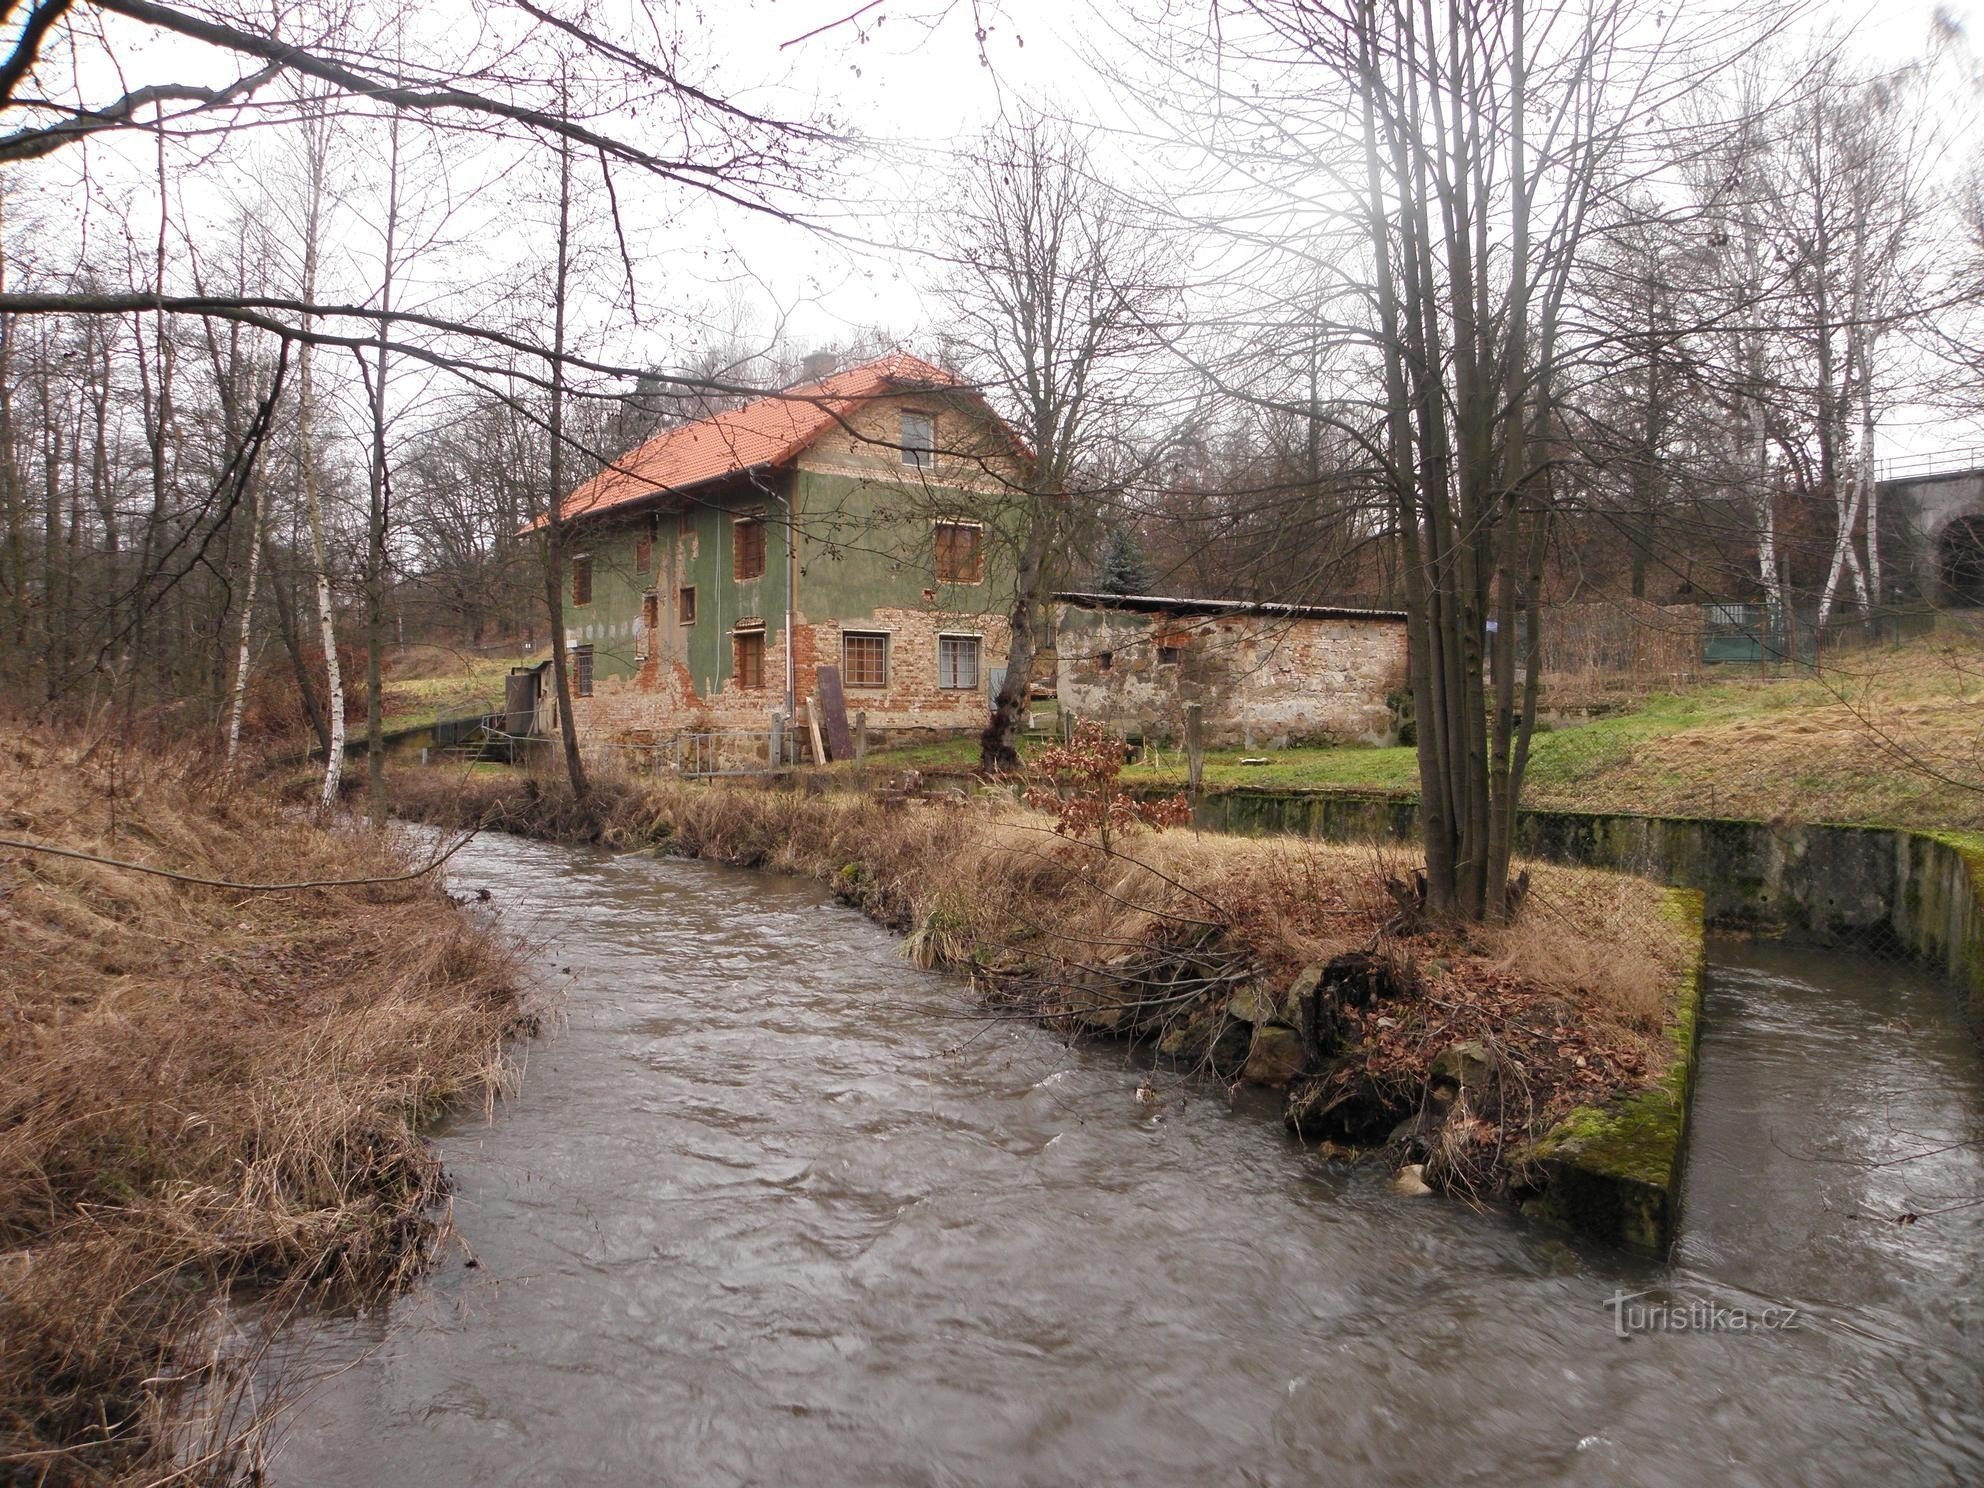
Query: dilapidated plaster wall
865, 526
1263, 680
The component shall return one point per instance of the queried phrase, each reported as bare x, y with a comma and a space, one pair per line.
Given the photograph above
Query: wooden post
860, 744
813, 727
1195, 748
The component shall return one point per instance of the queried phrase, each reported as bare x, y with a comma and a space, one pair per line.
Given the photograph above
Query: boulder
1255, 1004
1465, 1069
1275, 1056
1411, 1181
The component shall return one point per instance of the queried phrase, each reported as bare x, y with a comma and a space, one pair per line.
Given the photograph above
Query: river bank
1275, 962
208, 1087
775, 1206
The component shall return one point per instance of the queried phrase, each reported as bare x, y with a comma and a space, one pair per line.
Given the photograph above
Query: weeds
206, 1089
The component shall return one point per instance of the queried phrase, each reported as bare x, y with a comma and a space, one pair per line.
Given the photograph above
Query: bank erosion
209, 1092
1279, 963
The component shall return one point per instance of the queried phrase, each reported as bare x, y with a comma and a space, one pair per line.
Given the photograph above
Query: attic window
582, 579
919, 440
748, 554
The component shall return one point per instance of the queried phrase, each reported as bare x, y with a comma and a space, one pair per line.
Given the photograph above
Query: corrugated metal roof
1159, 604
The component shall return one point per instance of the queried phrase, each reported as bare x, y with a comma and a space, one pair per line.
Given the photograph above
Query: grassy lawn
1891, 736
462, 681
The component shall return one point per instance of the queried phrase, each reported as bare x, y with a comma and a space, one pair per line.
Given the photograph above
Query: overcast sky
910, 81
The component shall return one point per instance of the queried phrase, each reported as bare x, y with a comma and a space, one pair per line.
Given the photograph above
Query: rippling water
776, 1208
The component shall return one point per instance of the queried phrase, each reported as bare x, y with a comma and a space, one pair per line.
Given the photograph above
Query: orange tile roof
770, 431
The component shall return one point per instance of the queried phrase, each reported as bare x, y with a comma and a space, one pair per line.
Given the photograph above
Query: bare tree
1051, 304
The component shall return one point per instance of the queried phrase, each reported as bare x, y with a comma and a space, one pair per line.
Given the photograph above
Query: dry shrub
206, 1088
991, 886
1156, 935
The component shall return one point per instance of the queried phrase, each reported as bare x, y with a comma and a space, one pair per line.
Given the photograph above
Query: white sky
907, 77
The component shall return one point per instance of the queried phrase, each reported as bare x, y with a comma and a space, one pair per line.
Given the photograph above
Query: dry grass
205, 1088
1157, 939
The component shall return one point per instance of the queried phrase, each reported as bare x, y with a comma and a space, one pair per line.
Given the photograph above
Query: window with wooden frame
747, 558
864, 659
957, 663
582, 578
685, 604
581, 657
919, 440
747, 659
650, 618
960, 552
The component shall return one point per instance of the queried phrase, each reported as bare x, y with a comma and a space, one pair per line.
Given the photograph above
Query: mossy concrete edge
1613, 1172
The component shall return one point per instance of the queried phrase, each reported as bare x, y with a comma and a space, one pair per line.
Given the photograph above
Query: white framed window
919, 440
957, 662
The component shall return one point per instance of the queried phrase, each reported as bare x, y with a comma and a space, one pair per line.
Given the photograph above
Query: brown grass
205, 1088
1156, 938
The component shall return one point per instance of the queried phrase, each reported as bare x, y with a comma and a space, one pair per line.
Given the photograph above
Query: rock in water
1275, 1056
1411, 1181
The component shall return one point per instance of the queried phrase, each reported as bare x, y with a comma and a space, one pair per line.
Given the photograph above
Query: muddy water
775, 1208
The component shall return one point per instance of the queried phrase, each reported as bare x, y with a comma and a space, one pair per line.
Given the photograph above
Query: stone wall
1919, 890
1262, 680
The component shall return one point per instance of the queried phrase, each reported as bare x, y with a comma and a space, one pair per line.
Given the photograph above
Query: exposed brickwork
864, 561
1265, 679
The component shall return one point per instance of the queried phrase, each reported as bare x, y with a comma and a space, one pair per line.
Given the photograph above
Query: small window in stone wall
582, 579
1104, 660
864, 660
1171, 647
747, 659
685, 604
581, 671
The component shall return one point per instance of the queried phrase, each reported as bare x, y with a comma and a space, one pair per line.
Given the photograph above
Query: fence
1619, 645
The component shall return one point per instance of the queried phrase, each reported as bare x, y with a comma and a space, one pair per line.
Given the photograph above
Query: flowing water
773, 1207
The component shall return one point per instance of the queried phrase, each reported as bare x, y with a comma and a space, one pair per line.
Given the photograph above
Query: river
774, 1207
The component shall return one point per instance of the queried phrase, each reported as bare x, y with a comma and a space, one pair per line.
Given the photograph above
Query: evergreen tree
1123, 569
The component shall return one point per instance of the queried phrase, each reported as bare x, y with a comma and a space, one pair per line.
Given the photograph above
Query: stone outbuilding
1264, 675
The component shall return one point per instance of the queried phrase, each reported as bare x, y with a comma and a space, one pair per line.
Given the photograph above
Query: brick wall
1261, 680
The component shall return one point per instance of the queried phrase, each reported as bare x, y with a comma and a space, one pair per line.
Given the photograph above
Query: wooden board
813, 723
833, 713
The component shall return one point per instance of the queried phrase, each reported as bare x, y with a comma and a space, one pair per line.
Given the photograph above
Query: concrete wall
1921, 891
1920, 511
1261, 679
866, 561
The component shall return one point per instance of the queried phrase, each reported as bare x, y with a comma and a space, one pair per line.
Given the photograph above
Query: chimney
818, 365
